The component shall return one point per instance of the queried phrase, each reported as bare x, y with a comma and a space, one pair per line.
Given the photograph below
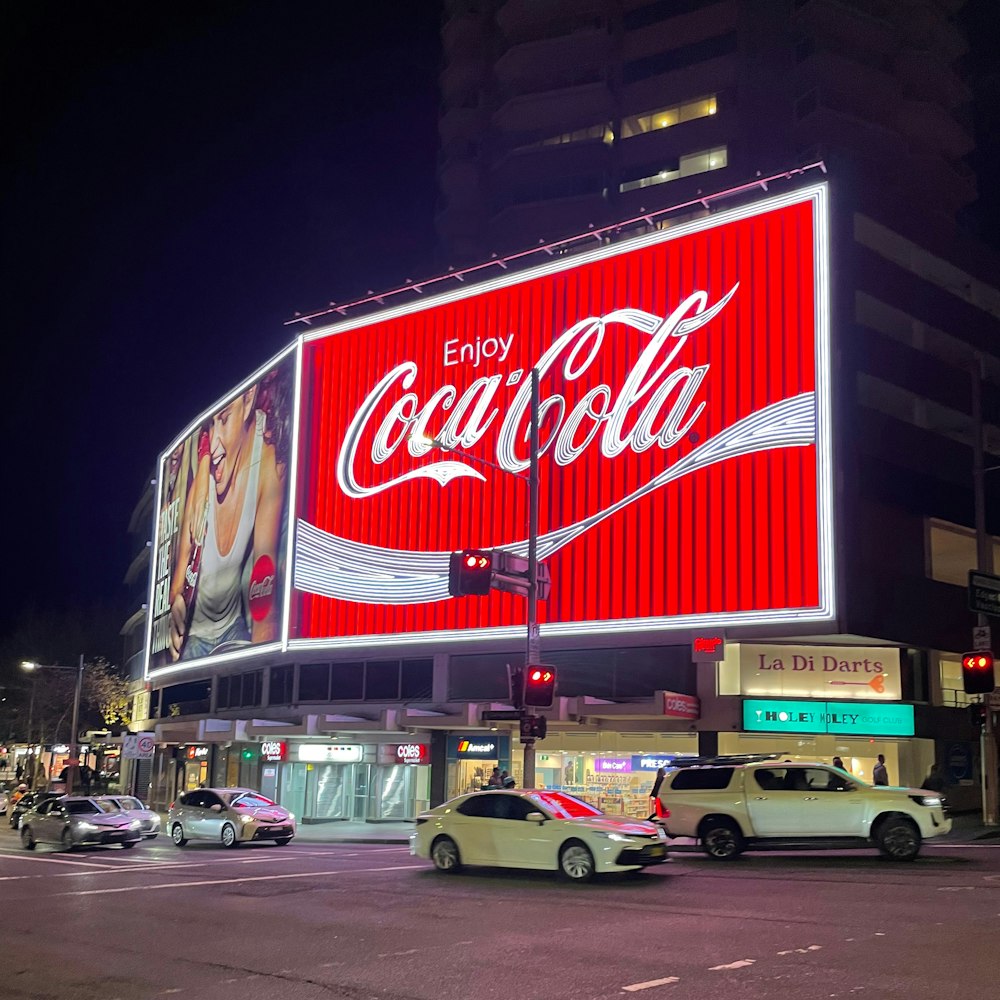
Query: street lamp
533, 644
31, 667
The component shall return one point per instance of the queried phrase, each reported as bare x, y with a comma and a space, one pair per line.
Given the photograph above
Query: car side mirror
535, 817
216, 808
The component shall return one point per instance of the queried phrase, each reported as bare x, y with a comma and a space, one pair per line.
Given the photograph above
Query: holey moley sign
685, 441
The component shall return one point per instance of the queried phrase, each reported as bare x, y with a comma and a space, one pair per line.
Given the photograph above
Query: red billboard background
735, 535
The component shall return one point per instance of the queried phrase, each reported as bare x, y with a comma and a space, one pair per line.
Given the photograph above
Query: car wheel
229, 836
899, 839
721, 839
576, 862
27, 839
282, 841
128, 844
444, 854
67, 841
177, 835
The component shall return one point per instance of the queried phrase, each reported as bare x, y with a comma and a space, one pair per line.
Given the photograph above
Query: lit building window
951, 552
693, 163
650, 121
952, 689
602, 132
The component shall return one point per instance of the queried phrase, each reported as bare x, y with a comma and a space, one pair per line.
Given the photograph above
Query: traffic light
977, 716
977, 672
248, 754
470, 572
534, 727
539, 686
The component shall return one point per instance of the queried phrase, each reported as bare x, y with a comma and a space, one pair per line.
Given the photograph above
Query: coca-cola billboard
221, 527
685, 444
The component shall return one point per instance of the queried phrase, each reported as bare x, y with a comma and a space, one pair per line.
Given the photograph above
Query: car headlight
620, 837
85, 826
291, 816
927, 800
246, 819
135, 825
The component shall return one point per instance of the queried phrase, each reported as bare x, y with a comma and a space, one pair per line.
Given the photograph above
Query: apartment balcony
829, 20
591, 157
873, 94
463, 32
930, 127
549, 112
925, 77
540, 65
460, 78
521, 20
460, 178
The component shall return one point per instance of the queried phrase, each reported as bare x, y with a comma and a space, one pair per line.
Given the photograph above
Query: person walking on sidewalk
880, 776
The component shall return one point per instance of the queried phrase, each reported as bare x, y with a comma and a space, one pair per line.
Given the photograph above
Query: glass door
363, 792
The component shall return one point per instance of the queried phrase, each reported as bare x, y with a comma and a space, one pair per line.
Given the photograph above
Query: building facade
832, 562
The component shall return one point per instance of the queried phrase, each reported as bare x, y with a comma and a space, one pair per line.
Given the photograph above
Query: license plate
659, 851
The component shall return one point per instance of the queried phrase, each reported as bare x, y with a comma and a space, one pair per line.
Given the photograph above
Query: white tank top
220, 592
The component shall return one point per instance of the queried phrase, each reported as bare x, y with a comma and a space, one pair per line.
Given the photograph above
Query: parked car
737, 804
149, 819
228, 816
26, 802
72, 821
534, 829
4, 800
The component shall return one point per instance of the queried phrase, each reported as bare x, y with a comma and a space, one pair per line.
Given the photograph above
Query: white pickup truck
761, 804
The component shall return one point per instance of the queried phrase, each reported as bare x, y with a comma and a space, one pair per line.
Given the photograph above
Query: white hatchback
535, 829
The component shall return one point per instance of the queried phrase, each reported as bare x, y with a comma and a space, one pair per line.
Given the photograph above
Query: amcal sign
684, 446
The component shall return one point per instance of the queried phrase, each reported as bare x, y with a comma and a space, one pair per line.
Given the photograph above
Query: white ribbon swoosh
331, 566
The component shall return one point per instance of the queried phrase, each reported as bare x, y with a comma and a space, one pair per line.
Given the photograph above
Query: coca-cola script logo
682, 392
261, 593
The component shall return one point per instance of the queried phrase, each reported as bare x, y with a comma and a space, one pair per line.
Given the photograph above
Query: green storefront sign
848, 717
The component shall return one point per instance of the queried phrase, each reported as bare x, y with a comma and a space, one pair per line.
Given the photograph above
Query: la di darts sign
685, 441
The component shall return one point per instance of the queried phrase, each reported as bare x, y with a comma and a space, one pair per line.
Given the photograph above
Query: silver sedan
72, 821
149, 819
228, 816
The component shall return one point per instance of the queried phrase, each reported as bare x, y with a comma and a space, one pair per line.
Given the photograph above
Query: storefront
471, 758
328, 782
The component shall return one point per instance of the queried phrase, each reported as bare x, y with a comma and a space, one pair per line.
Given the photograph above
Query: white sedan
534, 829
149, 820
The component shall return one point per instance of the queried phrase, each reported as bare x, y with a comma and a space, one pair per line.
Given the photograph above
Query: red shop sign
405, 753
685, 462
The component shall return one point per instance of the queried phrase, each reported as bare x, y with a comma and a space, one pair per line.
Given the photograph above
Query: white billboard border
825, 611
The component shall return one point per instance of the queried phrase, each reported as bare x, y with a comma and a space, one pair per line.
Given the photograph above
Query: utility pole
984, 559
534, 645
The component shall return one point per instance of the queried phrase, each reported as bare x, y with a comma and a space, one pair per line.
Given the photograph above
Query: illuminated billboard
685, 460
222, 514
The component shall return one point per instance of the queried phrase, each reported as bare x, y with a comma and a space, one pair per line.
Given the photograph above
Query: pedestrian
506, 780
654, 795
936, 779
880, 776
837, 762
19, 773
86, 776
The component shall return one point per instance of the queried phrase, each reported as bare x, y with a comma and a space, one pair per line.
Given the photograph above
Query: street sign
984, 593
982, 638
138, 746
510, 574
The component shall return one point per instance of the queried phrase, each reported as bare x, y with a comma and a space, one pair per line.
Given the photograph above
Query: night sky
177, 181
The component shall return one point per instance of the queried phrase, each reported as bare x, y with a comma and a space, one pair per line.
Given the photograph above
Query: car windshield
127, 803
251, 800
563, 806
84, 808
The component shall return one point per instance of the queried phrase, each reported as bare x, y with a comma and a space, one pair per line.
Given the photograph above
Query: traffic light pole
984, 558
533, 648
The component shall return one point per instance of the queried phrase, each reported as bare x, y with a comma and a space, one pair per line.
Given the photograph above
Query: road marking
55, 861
801, 951
742, 963
635, 987
235, 881
397, 954
955, 888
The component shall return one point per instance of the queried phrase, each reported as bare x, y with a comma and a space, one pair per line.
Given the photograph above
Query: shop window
282, 679
382, 681
314, 682
416, 679
952, 689
347, 681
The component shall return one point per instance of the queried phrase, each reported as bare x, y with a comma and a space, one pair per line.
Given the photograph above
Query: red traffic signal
977, 672
470, 572
539, 686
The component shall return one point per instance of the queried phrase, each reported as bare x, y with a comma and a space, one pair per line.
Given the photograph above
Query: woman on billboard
224, 589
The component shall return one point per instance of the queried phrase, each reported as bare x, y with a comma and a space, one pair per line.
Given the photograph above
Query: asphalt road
368, 921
